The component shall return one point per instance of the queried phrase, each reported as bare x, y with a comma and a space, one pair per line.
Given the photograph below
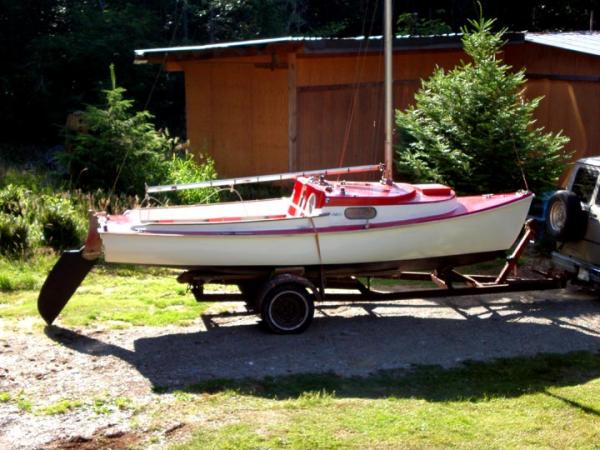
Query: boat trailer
285, 297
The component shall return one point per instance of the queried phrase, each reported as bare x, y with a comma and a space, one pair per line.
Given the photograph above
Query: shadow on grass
484, 350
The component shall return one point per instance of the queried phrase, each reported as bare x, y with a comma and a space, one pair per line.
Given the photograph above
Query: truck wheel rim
558, 216
288, 310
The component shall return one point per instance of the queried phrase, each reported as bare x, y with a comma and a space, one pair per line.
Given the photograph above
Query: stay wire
358, 71
178, 16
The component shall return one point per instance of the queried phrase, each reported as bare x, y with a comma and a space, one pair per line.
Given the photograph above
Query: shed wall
237, 114
326, 110
570, 84
341, 103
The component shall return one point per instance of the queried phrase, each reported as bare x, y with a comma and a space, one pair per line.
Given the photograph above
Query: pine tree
473, 129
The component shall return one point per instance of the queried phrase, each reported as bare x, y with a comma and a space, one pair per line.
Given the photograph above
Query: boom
263, 178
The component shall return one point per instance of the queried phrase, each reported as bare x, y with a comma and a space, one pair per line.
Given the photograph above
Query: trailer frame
307, 285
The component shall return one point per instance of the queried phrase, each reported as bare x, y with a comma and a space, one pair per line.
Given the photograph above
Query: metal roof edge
221, 45
326, 44
587, 42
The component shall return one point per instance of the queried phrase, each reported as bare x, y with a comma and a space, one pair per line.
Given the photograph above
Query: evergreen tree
473, 129
117, 147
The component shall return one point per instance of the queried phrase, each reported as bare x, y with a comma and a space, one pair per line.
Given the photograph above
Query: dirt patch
99, 440
111, 383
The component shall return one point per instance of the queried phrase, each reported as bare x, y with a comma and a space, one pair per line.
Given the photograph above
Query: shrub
62, 227
472, 128
14, 235
117, 147
26, 178
184, 169
13, 200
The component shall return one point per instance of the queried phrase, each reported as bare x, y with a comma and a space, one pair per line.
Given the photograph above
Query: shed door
333, 117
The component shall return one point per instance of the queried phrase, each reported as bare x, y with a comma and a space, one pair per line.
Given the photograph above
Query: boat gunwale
367, 225
206, 221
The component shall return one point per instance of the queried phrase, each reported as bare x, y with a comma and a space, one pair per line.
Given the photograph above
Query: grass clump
130, 296
5, 397
17, 274
101, 406
60, 407
23, 403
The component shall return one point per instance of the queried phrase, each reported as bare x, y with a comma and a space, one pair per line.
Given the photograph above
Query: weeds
61, 407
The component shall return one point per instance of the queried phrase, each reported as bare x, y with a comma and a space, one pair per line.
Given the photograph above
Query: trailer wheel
565, 219
287, 309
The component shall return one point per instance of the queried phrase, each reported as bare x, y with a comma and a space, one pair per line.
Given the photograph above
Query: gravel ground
349, 339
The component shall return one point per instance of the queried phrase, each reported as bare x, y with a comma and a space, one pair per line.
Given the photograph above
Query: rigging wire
156, 78
166, 55
358, 71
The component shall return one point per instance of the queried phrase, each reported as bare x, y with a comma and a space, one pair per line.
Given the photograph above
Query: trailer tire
286, 304
565, 219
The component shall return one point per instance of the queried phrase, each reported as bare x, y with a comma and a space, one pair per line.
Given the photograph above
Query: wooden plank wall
570, 84
329, 86
343, 125
237, 113
242, 112
340, 104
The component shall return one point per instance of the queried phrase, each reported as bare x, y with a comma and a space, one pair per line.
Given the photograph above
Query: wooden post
292, 113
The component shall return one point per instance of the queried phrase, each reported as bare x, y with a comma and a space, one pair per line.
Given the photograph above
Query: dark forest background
55, 54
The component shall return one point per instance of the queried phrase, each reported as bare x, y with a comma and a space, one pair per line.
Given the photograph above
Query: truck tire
565, 219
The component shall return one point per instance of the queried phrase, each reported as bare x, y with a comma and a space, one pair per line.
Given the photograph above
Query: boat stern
92, 249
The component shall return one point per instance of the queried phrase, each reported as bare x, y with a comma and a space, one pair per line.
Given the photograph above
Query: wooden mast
388, 83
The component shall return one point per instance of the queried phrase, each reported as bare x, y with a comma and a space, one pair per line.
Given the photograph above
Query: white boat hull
304, 241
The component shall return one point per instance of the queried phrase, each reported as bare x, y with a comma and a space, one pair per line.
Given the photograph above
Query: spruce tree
473, 129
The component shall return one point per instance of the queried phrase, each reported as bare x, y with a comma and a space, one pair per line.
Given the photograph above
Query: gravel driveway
348, 339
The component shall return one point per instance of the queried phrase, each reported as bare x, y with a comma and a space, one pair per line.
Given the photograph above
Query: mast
388, 84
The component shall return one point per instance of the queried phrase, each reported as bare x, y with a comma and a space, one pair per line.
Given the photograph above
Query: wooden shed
292, 103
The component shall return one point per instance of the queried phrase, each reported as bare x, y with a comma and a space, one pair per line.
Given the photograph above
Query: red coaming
365, 193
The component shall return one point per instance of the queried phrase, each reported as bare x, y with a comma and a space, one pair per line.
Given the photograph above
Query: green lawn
117, 295
548, 401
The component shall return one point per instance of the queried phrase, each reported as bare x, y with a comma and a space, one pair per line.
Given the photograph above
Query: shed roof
579, 41
309, 45
583, 42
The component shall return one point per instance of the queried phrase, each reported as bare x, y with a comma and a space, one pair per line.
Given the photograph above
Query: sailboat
283, 252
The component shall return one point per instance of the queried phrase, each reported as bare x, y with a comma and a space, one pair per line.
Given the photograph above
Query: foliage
30, 217
412, 24
62, 227
472, 128
184, 169
13, 200
117, 147
36, 212
14, 235
15, 203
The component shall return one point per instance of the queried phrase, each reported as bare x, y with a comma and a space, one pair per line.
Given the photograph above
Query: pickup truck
573, 221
